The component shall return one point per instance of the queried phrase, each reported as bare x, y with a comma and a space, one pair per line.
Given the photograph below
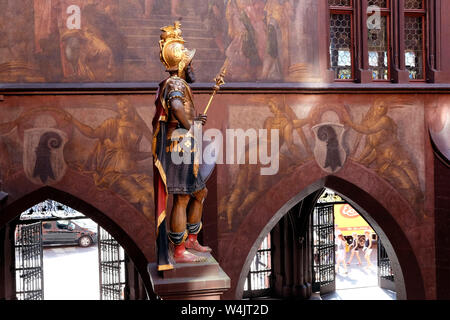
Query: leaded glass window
341, 46
414, 4
346, 47
340, 3
378, 44
415, 39
378, 3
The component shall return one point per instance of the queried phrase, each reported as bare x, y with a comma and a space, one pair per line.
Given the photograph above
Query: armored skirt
182, 178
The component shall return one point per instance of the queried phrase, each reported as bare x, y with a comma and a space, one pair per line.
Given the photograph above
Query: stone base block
190, 281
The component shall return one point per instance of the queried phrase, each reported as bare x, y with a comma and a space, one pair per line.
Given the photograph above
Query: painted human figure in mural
149, 6
5, 159
250, 184
279, 15
80, 38
212, 16
88, 56
259, 33
246, 32
385, 152
172, 128
114, 160
95, 50
47, 47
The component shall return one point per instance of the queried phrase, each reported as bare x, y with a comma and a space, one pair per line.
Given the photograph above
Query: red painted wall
442, 204
410, 228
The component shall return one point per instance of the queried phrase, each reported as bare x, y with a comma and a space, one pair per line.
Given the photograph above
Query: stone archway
380, 204
125, 223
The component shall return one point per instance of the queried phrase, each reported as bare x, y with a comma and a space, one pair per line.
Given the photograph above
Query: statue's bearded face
190, 74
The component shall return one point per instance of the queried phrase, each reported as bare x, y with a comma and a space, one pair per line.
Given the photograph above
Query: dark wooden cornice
229, 88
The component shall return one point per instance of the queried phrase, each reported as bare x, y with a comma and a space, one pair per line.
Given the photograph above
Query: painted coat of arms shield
43, 158
328, 151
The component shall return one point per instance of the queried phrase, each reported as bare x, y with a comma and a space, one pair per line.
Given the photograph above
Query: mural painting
373, 135
438, 116
43, 159
249, 184
385, 153
114, 41
109, 145
109, 140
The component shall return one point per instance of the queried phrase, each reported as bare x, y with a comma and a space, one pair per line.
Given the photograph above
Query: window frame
423, 14
395, 13
384, 12
344, 10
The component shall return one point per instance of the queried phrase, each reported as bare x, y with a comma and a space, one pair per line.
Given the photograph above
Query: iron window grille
258, 283
384, 264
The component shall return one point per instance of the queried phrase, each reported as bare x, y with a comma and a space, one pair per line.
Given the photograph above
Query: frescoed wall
96, 145
378, 142
96, 149
438, 116
110, 145
117, 41
108, 138
383, 134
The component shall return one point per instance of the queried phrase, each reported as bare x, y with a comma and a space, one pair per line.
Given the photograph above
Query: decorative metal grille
258, 281
341, 45
384, 264
378, 3
414, 46
28, 265
49, 209
340, 3
378, 50
329, 196
413, 4
112, 268
323, 248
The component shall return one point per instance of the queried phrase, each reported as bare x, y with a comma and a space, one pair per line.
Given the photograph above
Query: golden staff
219, 82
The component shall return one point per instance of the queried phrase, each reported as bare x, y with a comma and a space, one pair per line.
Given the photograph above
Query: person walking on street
340, 253
367, 248
354, 249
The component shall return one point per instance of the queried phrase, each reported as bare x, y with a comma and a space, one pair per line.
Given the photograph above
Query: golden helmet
173, 54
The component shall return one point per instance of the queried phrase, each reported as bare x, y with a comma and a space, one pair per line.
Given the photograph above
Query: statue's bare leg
178, 234
194, 225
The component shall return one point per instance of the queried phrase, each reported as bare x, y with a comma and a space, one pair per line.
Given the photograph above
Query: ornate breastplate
177, 88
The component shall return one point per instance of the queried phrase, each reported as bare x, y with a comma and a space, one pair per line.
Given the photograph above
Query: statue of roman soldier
173, 132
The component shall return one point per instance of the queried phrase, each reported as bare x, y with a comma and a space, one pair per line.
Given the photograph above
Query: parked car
67, 232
